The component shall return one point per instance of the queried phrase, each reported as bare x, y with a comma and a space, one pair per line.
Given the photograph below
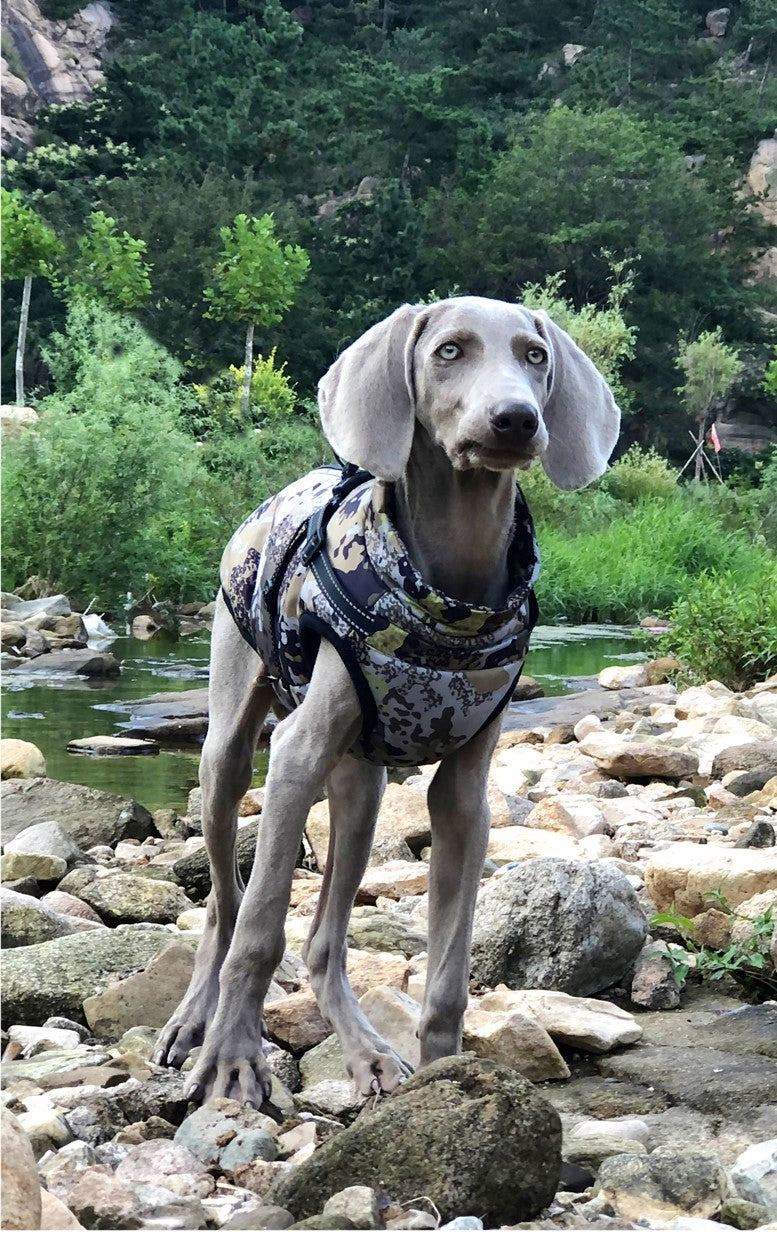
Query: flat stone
147, 998
586, 1024
31, 866
20, 759
394, 879
369, 928
120, 897
110, 744
54, 978
631, 760
513, 1037
71, 663
523, 844
683, 874
712, 1081
89, 816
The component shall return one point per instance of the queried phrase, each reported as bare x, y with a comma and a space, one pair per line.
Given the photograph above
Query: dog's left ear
581, 416
366, 399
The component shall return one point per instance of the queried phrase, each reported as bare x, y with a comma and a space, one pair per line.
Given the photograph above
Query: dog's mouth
472, 455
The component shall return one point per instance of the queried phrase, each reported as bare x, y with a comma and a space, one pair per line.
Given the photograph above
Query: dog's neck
456, 524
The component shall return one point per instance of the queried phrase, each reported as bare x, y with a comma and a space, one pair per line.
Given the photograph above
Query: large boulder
472, 1136
638, 760
54, 978
555, 924
760, 757
20, 759
684, 874
123, 897
21, 1189
668, 1183
89, 816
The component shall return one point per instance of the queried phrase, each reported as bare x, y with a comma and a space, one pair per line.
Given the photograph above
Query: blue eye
449, 351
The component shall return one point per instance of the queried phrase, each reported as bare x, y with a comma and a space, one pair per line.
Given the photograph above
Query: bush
273, 397
639, 473
726, 628
104, 496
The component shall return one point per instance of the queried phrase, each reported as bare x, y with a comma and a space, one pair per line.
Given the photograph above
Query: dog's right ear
366, 399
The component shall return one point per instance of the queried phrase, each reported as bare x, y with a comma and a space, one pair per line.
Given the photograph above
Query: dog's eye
535, 355
449, 351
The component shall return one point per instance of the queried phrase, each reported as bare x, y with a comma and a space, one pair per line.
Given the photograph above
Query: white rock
588, 1024
629, 1129
587, 724
683, 873
618, 677
754, 1175
20, 759
518, 844
701, 700
515, 1038
31, 1038
395, 1016
358, 1203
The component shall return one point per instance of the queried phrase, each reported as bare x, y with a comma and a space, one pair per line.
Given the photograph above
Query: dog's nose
516, 422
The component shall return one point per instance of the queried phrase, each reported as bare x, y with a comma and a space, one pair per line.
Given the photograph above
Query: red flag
715, 440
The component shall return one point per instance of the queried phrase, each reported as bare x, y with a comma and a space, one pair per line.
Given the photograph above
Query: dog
389, 626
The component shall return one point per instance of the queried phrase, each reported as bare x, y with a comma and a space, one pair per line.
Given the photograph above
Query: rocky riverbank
620, 1067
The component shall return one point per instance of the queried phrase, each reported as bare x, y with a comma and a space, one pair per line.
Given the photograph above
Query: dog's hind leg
354, 790
239, 699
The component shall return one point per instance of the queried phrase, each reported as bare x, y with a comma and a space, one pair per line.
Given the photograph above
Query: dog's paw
180, 1036
221, 1073
378, 1073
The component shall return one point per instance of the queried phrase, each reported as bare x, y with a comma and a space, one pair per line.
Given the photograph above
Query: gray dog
387, 619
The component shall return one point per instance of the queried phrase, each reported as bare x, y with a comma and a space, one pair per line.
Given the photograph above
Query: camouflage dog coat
323, 560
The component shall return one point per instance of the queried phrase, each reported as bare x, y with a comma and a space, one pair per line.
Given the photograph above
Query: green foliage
110, 266
100, 496
724, 625
710, 369
640, 474
770, 378
257, 276
273, 397
746, 961
29, 245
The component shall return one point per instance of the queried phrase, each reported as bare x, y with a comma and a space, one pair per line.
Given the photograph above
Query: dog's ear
581, 415
367, 400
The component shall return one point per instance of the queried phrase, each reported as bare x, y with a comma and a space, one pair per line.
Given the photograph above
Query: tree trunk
22, 339
245, 403
699, 447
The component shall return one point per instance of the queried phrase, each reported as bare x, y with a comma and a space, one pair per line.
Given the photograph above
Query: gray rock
223, 1134
101, 1201
283, 1065
454, 1132
712, 1081
760, 757
161, 1161
193, 870
54, 978
754, 1175
373, 930
26, 921
21, 1191
358, 1203
160, 1096
147, 998
73, 662
89, 816
59, 1172
336, 1099
48, 838
592, 1151
668, 1182
751, 1030
654, 985
260, 1218
556, 924
123, 897
760, 835
44, 606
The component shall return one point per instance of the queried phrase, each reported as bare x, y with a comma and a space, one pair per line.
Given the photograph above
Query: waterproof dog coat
318, 561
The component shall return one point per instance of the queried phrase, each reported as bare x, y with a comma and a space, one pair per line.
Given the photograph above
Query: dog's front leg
303, 750
460, 819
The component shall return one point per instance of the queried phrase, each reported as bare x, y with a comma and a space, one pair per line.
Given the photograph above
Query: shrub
640, 473
273, 397
103, 497
725, 627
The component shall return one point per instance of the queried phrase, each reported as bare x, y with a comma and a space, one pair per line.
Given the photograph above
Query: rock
586, 1024
712, 1081
654, 984
454, 1132
586, 724
20, 759
760, 835
26, 921
515, 1038
102, 1201
296, 1021
743, 1215
575, 814
591, 1151
629, 1129
193, 870
527, 688
20, 1187
147, 998
336, 1099
42, 606
716, 22
89, 816
683, 874
55, 1215
619, 756
70, 906
164, 1162
224, 1134
557, 925
521, 844
260, 1218
110, 744
359, 1205
403, 823
659, 670
616, 677
754, 1175
54, 978
34, 1039
120, 897
394, 879
760, 757
46, 838
71, 663
668, 1183
369, 928
395, 1016
15, 866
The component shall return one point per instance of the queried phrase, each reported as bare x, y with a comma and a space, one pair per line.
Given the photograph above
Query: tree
110, 266
710, 368
29, 248
254, 282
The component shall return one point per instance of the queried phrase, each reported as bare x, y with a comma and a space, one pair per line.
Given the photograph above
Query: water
52, 714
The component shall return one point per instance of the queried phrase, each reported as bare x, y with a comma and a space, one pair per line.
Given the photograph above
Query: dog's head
495, 385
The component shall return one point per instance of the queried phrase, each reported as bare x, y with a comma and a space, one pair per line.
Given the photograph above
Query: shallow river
53, 714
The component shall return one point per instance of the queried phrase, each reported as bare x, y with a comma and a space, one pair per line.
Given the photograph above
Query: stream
53, 713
